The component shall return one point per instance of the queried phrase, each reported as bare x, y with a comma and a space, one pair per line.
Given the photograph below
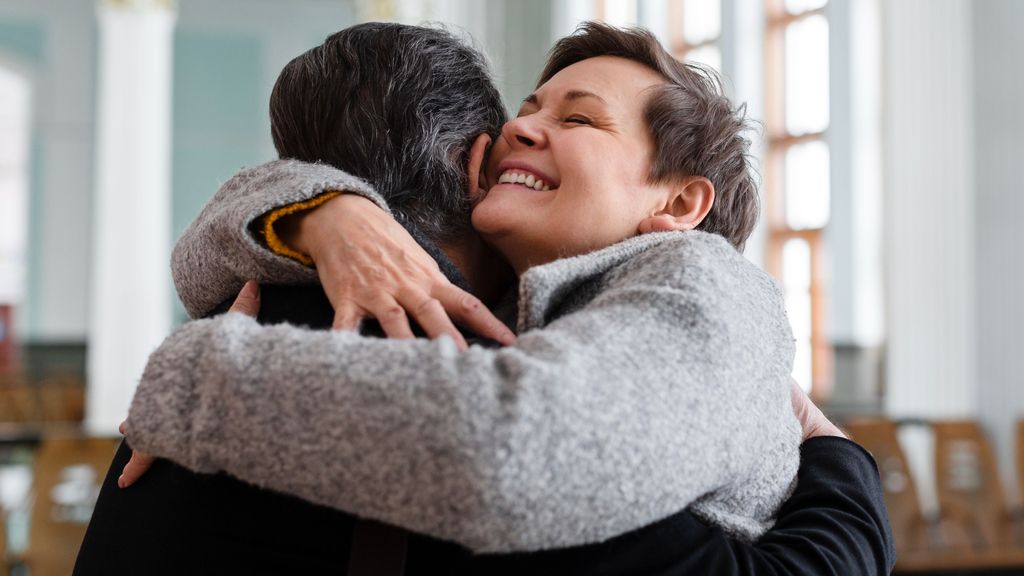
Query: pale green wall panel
26, 40
220, 117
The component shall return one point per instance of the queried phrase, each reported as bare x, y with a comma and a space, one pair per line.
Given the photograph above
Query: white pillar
743, 66
929, 219
130, 300
999, 122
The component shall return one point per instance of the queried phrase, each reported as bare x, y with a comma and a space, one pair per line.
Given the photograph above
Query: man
843, 490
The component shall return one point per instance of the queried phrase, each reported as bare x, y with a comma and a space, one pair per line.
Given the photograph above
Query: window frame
779, 142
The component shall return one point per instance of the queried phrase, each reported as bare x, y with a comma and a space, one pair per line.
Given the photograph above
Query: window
695, 27
797, 175
690, 29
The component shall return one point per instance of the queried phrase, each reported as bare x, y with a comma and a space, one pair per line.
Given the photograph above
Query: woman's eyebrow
577, 94
569, 96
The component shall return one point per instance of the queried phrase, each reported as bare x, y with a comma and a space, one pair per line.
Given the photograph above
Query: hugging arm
562, 439
834, 523
220, 250
234, 240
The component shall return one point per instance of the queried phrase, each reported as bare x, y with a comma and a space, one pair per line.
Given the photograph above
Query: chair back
968, 483
879, 436
5, 567
8, 344
1020, 461
67, 475
16, 401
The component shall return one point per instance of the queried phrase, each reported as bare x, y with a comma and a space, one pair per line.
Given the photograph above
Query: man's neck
485, 270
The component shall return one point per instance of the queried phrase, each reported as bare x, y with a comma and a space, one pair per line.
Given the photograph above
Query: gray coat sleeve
218, 252
665, 388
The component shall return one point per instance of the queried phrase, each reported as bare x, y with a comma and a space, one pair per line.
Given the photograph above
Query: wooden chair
914, 534
969, 487
17, 403
8, 343
61, 399
1020, 461
5, 568
68, 472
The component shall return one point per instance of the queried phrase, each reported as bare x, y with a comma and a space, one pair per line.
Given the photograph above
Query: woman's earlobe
661, 223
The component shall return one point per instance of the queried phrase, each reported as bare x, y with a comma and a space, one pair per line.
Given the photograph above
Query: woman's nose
524, 131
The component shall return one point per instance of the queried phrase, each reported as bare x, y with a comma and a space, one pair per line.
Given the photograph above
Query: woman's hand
248, 303
812, 420
370, 266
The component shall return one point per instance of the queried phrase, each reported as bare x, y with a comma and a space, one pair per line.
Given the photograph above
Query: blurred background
889, 150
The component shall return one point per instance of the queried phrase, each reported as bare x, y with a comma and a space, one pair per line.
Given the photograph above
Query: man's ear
478, 184
684, 208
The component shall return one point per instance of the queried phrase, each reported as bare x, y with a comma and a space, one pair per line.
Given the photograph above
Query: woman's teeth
528, 180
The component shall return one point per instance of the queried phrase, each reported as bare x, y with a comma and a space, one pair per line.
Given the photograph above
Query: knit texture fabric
219, 251
649, 376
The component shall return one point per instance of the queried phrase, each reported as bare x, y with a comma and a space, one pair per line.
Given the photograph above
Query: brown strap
377, 550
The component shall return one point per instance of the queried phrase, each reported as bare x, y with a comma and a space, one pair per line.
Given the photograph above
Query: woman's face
582, 146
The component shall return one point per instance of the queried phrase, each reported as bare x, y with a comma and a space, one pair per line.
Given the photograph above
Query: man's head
398, 106
695, 128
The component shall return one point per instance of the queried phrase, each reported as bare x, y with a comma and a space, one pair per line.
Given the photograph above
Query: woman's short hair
696, 129
396, 105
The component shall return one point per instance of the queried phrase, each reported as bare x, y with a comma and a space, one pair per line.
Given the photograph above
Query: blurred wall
227, 55
53, 41
953, 202
999, 195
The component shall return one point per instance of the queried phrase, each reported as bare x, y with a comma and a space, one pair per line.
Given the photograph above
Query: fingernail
251, 289
120, 481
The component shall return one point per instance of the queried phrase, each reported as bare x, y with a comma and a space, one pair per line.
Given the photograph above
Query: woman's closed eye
577, 119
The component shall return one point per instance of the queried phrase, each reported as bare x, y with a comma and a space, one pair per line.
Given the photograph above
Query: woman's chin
492, 216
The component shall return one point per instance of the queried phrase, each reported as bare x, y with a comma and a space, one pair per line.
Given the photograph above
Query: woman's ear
478, 184
684, 208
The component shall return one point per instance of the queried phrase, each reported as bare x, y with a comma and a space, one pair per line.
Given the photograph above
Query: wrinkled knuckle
427, 305
391, 312
408, 258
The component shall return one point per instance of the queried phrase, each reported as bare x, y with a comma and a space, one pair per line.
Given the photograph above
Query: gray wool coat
650, 376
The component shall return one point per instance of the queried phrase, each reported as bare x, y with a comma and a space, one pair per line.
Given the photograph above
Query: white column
929, 220
999, 122
854, 233
743, 65
929, 209
130, 301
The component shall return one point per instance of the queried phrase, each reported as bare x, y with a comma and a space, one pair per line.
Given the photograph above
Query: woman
536, 445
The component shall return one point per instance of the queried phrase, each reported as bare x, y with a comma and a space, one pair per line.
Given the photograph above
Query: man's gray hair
396, 105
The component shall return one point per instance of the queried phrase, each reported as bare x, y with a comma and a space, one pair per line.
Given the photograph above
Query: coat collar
543, 288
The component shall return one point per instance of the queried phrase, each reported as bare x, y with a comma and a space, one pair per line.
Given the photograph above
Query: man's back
174, 521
